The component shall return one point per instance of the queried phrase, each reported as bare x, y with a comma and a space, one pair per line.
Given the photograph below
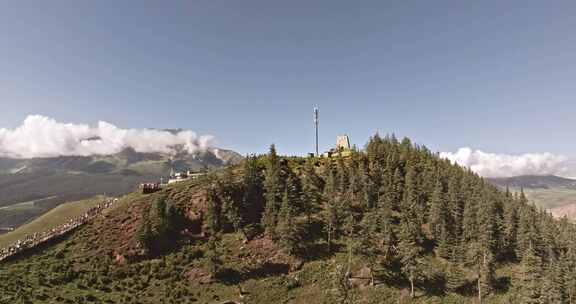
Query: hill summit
393, 223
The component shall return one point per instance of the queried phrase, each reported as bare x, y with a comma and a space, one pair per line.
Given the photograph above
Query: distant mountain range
557, 194
534, 182
30, 187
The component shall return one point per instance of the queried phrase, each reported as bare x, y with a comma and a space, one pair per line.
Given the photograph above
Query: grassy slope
51, 219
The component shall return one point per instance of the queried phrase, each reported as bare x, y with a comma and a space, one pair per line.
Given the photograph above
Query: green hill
391, 224
51, 219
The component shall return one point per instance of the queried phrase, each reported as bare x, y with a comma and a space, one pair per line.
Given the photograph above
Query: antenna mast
316, 127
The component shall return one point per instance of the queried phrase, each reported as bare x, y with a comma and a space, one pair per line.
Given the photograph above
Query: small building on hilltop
342, 147
342, 143
185, 175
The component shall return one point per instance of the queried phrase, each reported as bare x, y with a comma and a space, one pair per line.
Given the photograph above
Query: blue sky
494, 75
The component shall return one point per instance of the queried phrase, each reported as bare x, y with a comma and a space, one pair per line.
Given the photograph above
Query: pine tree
231, 212
440, 221
375, 185
455, 205
162, 221
554, 286
311, 185
480, 253
397, 189
295, 194
411, 206
355, 178
528, 285
331, 214
455, 277
287, 232
145, 233
470, 216
343, 178
227, 188
369, 193
342, 287
173, 215
409, 251
272, 187
567, 263
486, 275
251, 207
481, 260
436, 216
368, 240
213, 255
510, 225
527, 230
213, 213
349, 227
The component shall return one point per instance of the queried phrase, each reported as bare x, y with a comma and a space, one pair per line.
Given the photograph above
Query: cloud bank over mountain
506, 165
41, 136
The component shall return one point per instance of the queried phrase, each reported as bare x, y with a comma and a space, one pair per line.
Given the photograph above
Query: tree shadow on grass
317, 251
502, 284
230, 276
469, 289
434, 284
390, 275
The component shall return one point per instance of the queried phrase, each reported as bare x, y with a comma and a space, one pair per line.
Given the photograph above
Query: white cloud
41, 136
506, 165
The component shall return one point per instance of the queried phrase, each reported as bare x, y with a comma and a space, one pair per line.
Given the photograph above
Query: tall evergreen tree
527, 236
251, 207
343, 177
510, 225
455, 277
528, 285
213, 255
145, 233
311, 188
439, 220
214, 212
553, 289
331, 214
287, 232
272, 186
409, 253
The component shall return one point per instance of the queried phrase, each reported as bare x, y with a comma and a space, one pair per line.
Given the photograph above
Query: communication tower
316, 128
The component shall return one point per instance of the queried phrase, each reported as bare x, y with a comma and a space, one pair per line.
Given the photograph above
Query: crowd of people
33, 240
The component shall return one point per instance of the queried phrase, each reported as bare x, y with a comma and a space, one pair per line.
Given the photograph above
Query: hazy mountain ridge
127, 159
554, 193
534, 182
68, 178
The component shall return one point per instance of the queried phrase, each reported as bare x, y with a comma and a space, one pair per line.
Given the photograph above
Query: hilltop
30, 187
390, 224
